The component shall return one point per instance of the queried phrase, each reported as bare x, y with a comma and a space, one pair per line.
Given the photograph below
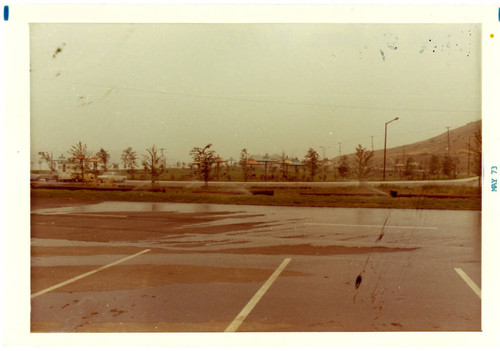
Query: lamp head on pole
392, 120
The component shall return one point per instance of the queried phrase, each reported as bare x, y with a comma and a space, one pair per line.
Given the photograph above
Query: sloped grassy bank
424, 197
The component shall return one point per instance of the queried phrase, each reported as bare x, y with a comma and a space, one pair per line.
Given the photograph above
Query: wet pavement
350, 269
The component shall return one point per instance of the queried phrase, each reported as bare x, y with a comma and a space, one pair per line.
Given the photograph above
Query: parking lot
158, 267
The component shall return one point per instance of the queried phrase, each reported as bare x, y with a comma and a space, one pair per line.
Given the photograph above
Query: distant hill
422, 151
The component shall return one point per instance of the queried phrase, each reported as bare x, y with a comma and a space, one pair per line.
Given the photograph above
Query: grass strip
358, 197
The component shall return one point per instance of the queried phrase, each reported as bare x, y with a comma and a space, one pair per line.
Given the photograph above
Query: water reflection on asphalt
294, 225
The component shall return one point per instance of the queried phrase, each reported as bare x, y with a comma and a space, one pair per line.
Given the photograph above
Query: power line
229, 98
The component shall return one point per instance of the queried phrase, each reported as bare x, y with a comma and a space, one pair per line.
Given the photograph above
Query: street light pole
385, 141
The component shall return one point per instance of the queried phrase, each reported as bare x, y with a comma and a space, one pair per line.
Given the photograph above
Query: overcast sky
265, 87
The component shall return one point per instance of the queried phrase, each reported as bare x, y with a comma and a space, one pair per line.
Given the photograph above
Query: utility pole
340, 149
448, 140
372, 141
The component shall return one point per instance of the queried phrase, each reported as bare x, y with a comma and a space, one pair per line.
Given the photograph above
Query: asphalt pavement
472, 181
157, 267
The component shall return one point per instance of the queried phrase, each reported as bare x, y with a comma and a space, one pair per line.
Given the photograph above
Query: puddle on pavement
289, 214
119, 206
262, 224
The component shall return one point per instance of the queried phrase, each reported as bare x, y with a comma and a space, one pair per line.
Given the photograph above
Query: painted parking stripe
87, 274
372, 226
469, 281
255, 299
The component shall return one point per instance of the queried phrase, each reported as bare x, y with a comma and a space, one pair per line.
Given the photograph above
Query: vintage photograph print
255, 177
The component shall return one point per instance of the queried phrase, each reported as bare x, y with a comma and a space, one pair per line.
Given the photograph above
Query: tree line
205, 163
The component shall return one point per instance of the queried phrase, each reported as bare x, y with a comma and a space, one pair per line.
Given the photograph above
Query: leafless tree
45, 156
154, 163
434, 165
129, 160
245, 167
363, 160
284, 166
79, 155
343, 166
104, 156
203, 160
311, 160
449, 166
477, 152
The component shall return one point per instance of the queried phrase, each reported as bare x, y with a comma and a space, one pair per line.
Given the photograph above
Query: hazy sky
265, 87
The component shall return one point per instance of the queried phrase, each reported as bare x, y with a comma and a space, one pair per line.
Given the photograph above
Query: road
159, 267
241, 185
172, 183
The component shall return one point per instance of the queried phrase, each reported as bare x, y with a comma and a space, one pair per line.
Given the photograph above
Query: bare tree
363, 160
45, 156
245, 167
477, 154
434, 165
311, 160
218, 161
449, 166
154, 163
343, 166
79, 155
129, 160
104, 156
409, 168
203, 159
284, 166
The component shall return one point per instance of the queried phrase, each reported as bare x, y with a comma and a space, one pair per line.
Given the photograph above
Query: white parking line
469, 281
87, 274
372, 226
255, 299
